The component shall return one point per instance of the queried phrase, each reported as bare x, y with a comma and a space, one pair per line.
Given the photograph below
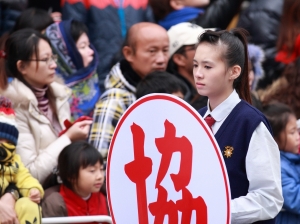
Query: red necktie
210, 120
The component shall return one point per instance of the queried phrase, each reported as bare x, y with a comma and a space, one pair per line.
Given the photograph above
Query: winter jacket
217, 15
262, 20
61, 201
108, 22
290, 175
38, 144
119, 95
16, 172
9, 12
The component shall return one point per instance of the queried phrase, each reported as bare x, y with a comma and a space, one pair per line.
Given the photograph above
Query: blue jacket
290, 175
107, 23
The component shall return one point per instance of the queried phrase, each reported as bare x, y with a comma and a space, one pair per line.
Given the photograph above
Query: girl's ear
21, 67
235, 72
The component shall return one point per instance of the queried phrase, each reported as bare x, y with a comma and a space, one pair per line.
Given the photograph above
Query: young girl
77, 64
40, 103
284, 125
250, 153
80, 168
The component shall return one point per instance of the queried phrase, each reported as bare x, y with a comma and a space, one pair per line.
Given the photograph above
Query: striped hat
8, 126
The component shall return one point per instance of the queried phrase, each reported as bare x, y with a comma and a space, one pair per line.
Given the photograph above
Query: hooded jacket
290, 175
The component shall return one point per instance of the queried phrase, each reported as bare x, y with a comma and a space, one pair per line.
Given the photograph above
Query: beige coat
38, 145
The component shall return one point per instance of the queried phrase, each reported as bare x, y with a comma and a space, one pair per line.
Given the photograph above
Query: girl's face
39, 70
90, 180
211, 77
289, 138
83, 46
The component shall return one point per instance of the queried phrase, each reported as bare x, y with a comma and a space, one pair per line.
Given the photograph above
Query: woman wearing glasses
77, 64
40, 103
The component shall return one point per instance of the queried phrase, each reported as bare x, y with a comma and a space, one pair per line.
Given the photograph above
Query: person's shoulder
60, 90
53, 203
18, 93
250, 111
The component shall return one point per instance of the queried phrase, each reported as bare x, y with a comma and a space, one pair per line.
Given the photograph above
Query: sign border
167, 97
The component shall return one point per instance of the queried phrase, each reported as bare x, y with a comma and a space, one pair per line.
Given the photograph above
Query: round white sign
164, 166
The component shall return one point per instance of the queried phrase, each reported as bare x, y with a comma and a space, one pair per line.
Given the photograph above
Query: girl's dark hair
77, 155
20, 45
160, 82
278, 115
289, 26
288, 91
235, 52
37, 19
78, 28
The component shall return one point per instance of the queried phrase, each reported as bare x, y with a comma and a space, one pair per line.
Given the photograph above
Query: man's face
151, 51
189, 53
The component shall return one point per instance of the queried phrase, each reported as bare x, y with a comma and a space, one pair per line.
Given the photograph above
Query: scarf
178, 16
129, 74
82, 80
7, 152
43, 101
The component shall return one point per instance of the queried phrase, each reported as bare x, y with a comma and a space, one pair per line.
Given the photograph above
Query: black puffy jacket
218, 14
9, 12
262, 20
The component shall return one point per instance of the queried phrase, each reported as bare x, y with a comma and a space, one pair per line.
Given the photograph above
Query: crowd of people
67, 78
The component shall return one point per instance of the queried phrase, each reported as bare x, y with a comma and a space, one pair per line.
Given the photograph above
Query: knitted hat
8, 126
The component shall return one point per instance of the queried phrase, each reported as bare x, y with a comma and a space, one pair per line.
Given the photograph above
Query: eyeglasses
52, 58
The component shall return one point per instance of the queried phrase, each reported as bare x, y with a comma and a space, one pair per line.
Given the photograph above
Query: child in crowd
284, 125
243, 133
160, 82
80, 168
77, 64
12, 171
40, 103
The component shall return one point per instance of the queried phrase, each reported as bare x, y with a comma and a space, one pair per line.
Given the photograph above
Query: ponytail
235, 53
241, 84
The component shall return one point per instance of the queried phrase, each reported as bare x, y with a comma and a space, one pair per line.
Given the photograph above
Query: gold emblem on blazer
228, 151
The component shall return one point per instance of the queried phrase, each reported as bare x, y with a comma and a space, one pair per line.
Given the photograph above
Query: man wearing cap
183, 38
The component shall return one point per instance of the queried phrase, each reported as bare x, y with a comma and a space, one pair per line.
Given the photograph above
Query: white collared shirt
264, 199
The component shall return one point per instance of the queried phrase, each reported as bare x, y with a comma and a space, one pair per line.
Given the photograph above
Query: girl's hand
79, 130
35, 195
7, 210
